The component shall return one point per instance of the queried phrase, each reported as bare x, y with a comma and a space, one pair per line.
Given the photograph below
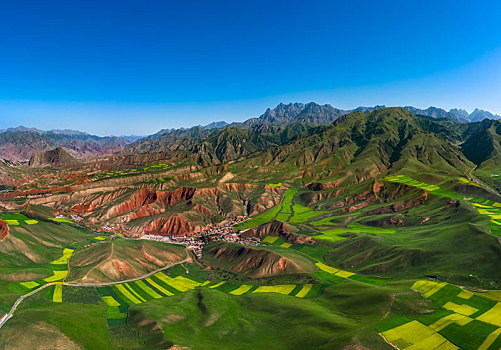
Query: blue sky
130, 67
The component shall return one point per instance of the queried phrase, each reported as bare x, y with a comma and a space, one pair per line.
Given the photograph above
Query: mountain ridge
19, 144
283, 114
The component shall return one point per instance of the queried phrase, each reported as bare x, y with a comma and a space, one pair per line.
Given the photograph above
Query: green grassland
40, 321
123, 306
62, 220
165, 299
322, 229
484, 207
259, 320
196, 309
364, 255
28, 251
421, 248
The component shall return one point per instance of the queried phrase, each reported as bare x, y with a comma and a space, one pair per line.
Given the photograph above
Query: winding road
484, 185
74, 284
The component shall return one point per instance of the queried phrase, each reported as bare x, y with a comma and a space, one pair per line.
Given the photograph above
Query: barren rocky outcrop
52, 158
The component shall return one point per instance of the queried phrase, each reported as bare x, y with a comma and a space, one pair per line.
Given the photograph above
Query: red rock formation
208, 192
361, 205
151, 258
377, 187
123, 268
202, 209
144, 211
271, 189
4, 229
147, 196
175, 224
97, 202
257, 209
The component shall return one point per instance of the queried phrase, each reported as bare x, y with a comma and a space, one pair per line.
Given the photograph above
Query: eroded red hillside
4, 229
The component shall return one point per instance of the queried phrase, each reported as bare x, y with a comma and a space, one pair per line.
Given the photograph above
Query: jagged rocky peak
460, 113
478, 115
282, 111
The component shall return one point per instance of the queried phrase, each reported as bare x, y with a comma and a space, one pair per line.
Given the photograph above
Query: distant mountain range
456, 115
19, 144
306, 116
326, 114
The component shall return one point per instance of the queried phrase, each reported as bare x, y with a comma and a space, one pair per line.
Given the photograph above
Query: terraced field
484, 207
135, 171
411, 182
462, 320
333, 235
295, 213
282, 210
288, 211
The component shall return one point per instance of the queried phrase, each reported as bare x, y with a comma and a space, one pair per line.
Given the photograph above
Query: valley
360, 234
276, 175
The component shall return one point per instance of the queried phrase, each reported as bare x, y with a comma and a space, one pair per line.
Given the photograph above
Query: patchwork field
464, 320
15, 219
458, 319
59, 267
281, 211
121, 296
325, 274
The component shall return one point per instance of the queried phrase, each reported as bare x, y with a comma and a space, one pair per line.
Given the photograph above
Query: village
220, 232
194, 241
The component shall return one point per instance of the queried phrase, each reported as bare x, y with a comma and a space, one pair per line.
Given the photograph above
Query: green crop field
287, 211
282, 210
62, 220
302, 215
57, 297
331, 235
14, 219
120, 297
464, 321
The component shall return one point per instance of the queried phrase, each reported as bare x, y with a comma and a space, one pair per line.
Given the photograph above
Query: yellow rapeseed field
281, 289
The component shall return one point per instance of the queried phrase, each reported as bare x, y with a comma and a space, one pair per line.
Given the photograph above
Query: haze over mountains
20, 143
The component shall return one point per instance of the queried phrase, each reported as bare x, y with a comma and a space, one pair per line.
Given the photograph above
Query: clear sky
134, 67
